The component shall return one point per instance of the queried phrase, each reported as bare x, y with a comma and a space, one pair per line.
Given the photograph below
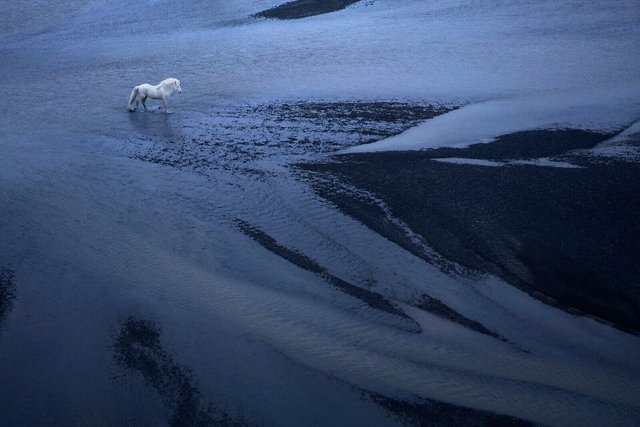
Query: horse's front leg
166, 108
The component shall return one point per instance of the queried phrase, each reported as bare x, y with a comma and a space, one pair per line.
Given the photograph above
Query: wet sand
137, 348
430, 413
568, 236
174, 269
372, 299
303, 8
7, 292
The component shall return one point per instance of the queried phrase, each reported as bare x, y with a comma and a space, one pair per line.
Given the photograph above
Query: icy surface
106, 214
483, 122
624, 146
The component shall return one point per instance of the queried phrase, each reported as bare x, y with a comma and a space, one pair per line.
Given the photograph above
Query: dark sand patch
433, 413
137, 348
569, 237
7, 292
372, 299
525, 145
235, 137
303, 8
361, 112
437, 307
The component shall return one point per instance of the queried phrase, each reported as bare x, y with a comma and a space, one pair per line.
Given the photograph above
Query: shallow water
108, 214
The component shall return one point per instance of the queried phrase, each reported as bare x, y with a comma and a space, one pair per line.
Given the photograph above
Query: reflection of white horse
160, 91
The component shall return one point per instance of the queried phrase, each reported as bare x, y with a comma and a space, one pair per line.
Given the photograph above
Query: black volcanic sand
303, 8
437, 307
525, 145
372, 299
137, 348
568, 236
232, 137
360, 115
433, 413
7, 292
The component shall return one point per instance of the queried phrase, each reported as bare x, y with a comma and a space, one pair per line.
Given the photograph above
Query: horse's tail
134, 95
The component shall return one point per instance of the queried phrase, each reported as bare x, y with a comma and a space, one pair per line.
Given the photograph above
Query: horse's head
176, 85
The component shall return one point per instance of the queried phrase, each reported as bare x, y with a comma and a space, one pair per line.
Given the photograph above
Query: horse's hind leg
143, 100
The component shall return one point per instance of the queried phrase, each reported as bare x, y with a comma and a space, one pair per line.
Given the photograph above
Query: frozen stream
107, 215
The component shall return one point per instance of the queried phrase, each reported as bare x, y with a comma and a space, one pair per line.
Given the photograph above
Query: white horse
160, 91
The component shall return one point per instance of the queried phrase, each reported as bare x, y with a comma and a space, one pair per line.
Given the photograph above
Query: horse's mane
167, 82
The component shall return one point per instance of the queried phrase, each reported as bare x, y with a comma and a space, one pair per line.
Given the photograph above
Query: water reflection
153, 122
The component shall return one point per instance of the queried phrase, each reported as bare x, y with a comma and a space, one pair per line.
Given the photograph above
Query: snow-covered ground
625, 145
106, 214
596, 110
